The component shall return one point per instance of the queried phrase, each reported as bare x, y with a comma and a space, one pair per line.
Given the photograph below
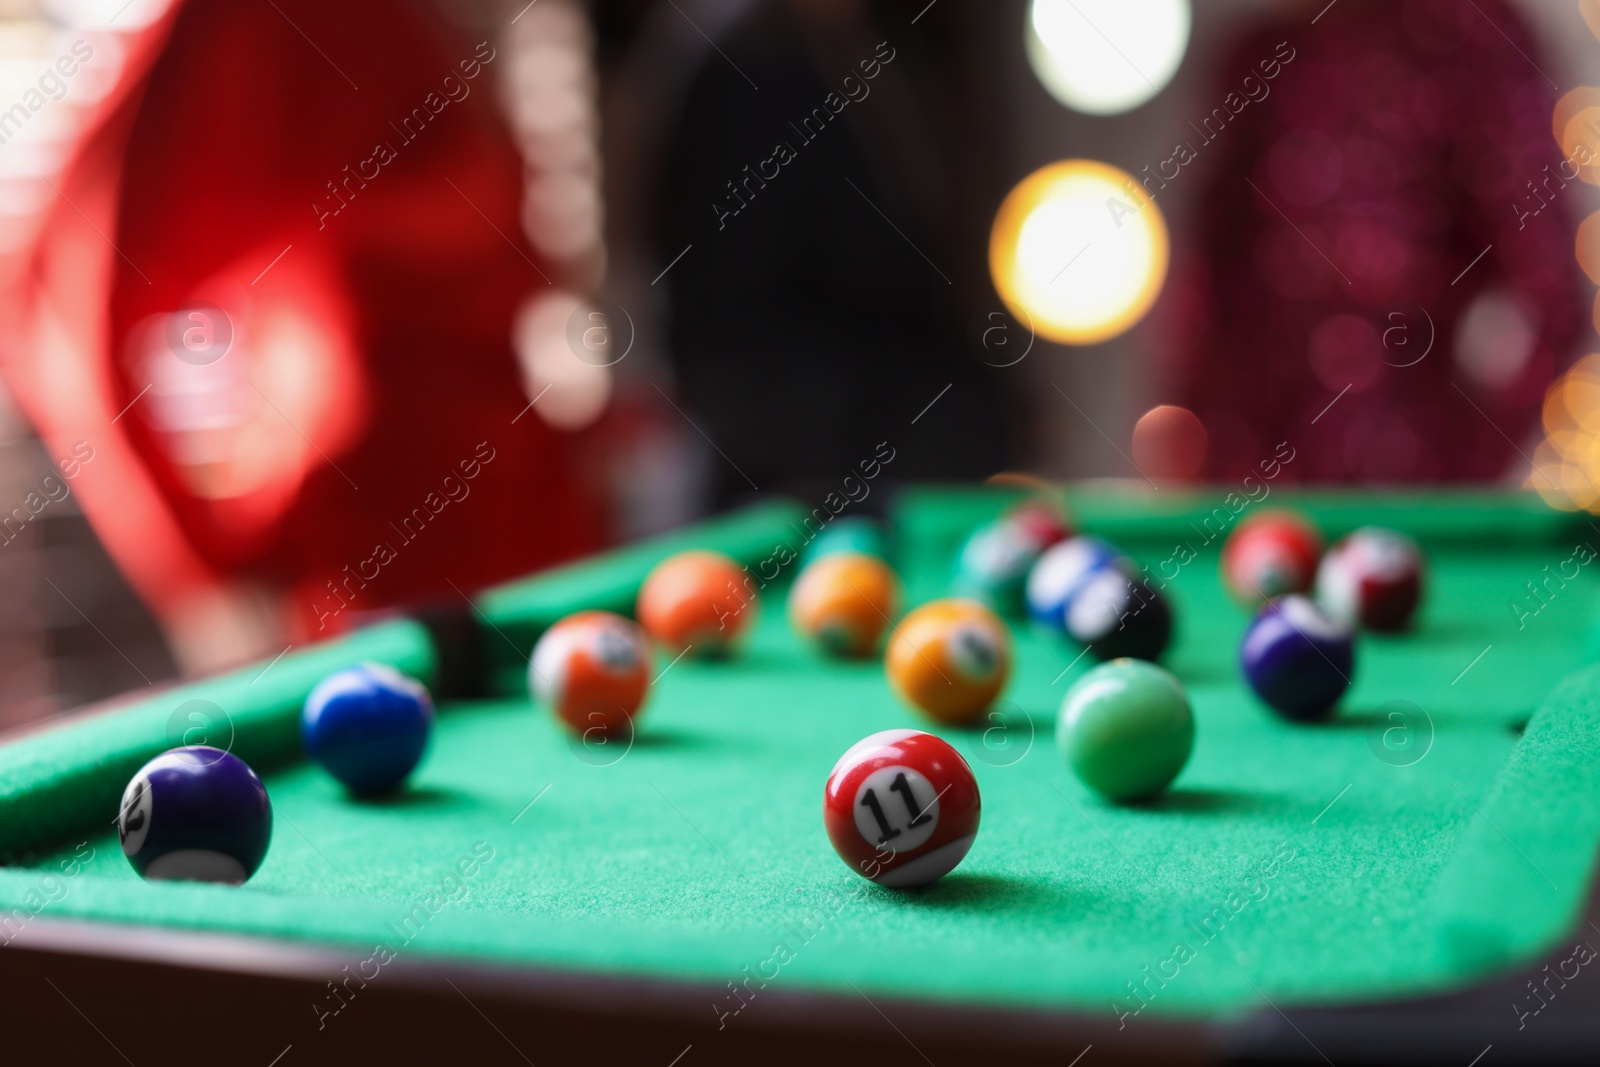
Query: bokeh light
1081, 249
1566, 466
1590, 10
571, 391
1104, 57
1576, 126
1588, 247
1494, 340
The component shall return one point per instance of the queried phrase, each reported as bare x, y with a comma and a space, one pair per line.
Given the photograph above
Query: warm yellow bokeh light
1567, 108
1590, 10
1080, 250
1566, 464
1588, 247
1580, 398
1578, 135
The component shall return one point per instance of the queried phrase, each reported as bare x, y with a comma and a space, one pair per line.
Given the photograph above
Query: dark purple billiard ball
368, 726
195, 814
1297, 659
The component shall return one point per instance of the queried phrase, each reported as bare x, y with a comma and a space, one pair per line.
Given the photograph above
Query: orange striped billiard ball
697, 600
845, 602
950, 659
593, 670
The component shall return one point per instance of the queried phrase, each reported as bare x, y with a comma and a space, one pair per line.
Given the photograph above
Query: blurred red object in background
1376, 281
1169, 444
273, 289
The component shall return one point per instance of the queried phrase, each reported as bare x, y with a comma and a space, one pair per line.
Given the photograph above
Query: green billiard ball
1126, 730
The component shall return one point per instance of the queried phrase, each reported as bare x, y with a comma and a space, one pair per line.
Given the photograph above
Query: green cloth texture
1312, 864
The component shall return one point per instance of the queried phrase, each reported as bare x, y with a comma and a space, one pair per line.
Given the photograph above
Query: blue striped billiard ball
196, 814
1297, 659
368, 726
1063, 570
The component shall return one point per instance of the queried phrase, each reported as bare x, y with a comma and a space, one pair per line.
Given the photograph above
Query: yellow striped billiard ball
845, 602
950, 659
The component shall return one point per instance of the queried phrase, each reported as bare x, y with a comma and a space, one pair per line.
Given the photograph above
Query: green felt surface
1289, 860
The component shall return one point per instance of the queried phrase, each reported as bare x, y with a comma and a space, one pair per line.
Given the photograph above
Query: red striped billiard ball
901, 808
593, 670
1270, 554
1041, 520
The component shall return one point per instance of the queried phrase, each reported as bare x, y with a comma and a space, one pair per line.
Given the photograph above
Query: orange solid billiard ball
950, 659
845, 602
593, 669
697, 600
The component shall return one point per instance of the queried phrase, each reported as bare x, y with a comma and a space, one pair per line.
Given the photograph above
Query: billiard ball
697, 600
1126, 729
949, 659
844, 603
592, 669
993, 566
849, 533
1269, 554
1041, 520
1297, 659
1372, 579
901, 808
1060, 572
368, 726
1116, 616
195, 814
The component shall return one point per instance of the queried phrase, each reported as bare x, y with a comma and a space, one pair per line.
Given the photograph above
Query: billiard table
1409, 882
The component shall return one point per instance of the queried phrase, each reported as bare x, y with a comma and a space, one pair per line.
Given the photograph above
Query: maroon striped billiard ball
901, 808
1372, 579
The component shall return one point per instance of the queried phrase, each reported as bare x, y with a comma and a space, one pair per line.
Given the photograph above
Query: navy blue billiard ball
1118, 616
197, 814
368, 726
1297, 659
1058, 575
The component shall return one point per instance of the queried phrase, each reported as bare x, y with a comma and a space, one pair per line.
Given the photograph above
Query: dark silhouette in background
816, 313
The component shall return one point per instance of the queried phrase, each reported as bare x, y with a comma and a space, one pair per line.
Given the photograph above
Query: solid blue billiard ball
1297, 659
197, 814
367, 726
1063, 570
